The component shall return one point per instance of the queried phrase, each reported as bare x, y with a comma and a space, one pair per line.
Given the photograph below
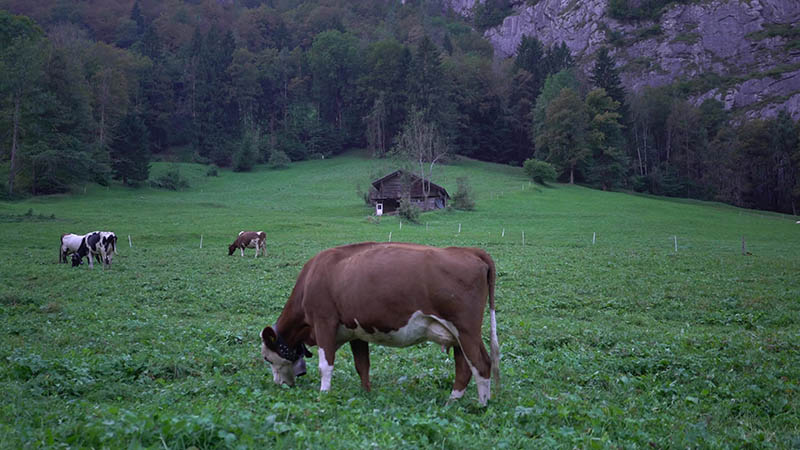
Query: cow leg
241, 249
326, 341
361, 357
463, 374
326, 368
479, 363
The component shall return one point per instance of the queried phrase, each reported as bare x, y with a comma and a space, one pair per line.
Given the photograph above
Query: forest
93, 91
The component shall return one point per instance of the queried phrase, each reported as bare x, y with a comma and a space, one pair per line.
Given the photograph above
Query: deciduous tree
564, 133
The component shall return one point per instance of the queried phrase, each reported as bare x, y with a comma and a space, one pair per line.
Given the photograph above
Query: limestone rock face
745, 43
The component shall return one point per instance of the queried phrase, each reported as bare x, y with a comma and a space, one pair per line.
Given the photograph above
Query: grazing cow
110, 241
98, 245
389, 294
250, 239
69, 244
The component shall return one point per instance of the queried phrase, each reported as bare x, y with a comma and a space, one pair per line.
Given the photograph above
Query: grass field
622, 343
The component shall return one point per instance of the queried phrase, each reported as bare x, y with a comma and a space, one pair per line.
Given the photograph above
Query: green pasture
623, 342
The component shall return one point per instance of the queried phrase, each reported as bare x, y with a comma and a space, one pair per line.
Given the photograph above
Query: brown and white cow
391, 294
249, 239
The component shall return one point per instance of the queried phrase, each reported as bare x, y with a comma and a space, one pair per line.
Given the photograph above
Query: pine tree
447, 44
784, 144
130, 152
558, 58
605, 75
605, 140
426, 84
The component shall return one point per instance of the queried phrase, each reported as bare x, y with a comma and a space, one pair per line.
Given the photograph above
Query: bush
247, 152
278, 159
364, 195
213, 171
540, 171
407, 210
463, 199
172, 180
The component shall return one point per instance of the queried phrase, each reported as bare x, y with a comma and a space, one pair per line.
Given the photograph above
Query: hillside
746, 54
689, 99
624, 320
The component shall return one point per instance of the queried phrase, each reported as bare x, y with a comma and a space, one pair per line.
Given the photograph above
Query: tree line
93, 97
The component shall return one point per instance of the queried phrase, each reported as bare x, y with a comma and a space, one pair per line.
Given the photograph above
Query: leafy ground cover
620, 342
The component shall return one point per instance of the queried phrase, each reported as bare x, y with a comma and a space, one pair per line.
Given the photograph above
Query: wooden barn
386, 193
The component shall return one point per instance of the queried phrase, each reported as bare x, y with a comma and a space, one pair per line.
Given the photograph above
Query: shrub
278, 159
464, 198
407, 210
171, 179
364, 195
212, 171
246, 155
540, 171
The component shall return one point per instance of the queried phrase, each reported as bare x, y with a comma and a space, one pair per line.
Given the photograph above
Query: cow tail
494, 346
61, 256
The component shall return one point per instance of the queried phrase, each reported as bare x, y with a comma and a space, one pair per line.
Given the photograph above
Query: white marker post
201, 241
390, 236
459, 228
130, 244
503, 234
594, 236
401, 224
676, 243
523, 238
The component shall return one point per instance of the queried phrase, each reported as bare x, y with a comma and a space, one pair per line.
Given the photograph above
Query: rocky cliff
745, 53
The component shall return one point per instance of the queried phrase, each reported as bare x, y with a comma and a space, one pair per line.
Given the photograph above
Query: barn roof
416, 183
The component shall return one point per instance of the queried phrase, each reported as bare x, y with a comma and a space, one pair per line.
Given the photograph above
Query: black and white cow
69, 244
100, 245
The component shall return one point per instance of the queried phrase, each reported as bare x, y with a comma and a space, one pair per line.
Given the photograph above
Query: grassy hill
620, 342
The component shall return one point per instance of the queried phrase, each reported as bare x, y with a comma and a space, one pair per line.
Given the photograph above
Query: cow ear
269, 337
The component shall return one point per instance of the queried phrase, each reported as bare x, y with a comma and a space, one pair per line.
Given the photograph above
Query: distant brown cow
250, 239
390, 294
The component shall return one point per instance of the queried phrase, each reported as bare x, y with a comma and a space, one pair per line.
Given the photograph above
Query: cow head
76, 260
286, 363
231, 249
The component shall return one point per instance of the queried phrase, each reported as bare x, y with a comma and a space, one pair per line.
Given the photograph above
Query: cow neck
290, 326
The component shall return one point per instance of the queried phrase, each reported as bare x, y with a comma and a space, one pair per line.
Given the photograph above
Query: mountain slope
743, 53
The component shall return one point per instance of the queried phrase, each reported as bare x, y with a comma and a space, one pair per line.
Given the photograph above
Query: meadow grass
624, 342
